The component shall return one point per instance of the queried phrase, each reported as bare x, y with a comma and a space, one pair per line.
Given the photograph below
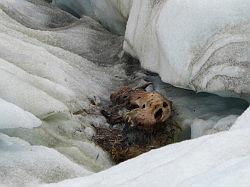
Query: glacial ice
113, 14
53, 64
243, 121
197, 45
201, 127
193, 44
45, 78
15, 117
24, 164
36, 14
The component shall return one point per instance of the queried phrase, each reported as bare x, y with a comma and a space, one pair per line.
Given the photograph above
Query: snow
15, 117
35, 163
221, 159
232, 173
203, 127
193, 44
243, 121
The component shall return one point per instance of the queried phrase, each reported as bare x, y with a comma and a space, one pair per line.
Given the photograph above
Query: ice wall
113, 14
199, 45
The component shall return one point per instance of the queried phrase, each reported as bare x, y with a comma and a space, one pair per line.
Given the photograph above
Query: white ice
193, 44
23, 164
198, 45
15, 117
46, 77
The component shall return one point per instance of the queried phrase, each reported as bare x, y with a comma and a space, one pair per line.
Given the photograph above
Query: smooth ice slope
243, 121
199, 45
14, 117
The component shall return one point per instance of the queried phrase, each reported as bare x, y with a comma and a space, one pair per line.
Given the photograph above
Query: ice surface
22, 163
199, 45
204, 48
14, 117
36, 14
202, 127
45, 77
243, 121
113, 14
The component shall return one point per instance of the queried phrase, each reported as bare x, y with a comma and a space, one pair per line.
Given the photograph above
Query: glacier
197, 45
53, 64
193, 44
113, 14
35, 163
13, 116
45, 78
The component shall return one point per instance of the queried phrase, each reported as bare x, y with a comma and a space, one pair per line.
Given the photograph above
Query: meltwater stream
53, 64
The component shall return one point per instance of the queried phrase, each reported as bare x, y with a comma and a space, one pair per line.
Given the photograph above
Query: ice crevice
53, 64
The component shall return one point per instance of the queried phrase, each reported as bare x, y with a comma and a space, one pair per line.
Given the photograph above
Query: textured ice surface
221, 159
45, 77
113, 14
36, 14
199, 45
22, 163
14, 117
